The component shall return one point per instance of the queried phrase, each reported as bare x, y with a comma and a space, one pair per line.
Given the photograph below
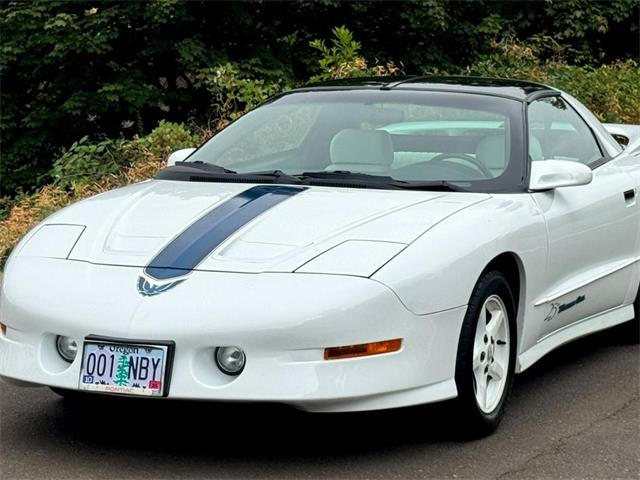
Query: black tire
470, 420
634, 325
629, 332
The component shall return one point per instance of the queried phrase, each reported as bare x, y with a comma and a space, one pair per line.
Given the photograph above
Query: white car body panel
327, 267
288, 368
129, 226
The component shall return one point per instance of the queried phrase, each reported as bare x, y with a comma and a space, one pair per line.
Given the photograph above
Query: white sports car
353, 246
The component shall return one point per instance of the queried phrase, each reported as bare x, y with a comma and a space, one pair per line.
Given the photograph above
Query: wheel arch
512, 267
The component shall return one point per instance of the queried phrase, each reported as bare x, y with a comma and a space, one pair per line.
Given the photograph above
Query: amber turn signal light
362, 350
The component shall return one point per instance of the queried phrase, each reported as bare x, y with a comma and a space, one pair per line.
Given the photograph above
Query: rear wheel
486, 357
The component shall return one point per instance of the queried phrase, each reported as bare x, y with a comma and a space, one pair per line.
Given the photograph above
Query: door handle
630, 197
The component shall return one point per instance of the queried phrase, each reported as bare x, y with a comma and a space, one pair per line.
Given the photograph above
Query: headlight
230, 360
354, 257
67, 348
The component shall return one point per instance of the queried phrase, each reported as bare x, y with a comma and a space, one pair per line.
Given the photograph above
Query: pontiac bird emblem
148, 289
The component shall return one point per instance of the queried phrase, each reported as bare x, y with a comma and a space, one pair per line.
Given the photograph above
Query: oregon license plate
124, 368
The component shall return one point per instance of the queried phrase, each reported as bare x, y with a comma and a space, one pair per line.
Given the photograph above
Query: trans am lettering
567, 306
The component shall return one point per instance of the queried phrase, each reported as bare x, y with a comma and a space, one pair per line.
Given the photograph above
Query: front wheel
630, 331
486, 356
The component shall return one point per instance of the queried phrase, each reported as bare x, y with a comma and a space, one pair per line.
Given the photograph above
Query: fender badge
557, 308
148, 289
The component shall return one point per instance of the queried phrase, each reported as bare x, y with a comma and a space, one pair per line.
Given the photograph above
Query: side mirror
179, 156
552, 174
618, 133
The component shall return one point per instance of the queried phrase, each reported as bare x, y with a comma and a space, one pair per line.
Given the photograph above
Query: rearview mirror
179, 156
551, 174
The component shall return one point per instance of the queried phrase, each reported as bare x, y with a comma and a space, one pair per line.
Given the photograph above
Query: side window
557, 132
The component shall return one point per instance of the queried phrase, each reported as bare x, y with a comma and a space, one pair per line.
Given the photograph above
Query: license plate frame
167, 346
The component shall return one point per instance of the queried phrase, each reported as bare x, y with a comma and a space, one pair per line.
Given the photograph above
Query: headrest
361, 150
491, 152
535, 149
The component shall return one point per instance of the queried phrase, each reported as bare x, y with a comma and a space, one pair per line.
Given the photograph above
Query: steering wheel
467, 158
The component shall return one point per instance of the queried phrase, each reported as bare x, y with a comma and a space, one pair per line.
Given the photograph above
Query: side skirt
572, 332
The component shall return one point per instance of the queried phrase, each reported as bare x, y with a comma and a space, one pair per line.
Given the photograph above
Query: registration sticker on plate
131, 369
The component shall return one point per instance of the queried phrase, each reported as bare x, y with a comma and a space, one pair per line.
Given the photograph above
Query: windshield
473, 141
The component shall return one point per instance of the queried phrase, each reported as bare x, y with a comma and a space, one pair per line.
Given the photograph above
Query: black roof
517, 89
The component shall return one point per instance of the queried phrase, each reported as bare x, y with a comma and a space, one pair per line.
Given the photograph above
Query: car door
592, 229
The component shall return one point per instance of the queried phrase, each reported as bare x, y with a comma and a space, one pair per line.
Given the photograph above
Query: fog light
67, 348
230, 360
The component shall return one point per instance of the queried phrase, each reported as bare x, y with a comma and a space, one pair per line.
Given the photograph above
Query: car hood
132, 225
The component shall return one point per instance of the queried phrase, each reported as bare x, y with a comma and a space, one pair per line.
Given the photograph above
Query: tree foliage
112, 69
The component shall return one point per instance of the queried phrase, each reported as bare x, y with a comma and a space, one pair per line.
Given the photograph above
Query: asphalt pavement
576, 414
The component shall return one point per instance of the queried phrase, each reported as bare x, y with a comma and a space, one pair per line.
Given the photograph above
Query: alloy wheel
491, 354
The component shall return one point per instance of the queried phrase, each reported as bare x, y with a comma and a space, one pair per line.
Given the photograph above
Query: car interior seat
363, 151
535, 149
491, 151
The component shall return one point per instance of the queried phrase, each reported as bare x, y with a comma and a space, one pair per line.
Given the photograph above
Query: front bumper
282, 321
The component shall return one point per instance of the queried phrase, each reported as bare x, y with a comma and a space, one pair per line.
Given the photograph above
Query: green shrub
611, 92
166, 138
344, 60
128, 65
233, 91
88, 161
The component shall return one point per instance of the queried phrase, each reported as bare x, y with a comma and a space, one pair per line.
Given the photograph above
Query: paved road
574, 415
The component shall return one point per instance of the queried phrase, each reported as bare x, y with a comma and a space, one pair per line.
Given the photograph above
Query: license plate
124, 368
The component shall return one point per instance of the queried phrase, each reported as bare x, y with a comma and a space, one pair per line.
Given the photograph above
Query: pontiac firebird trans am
352, 246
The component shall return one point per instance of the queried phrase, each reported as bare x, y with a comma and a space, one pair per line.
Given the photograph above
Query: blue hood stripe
200, 239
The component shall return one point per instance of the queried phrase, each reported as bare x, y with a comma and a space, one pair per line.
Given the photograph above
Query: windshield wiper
344, 178
202, 171
343, 174
437, 185
278, 175
379, 180
208, 172
204, 166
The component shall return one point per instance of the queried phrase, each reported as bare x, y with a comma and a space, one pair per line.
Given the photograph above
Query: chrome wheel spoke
477, 361
496, 322
481, 391
496, 371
